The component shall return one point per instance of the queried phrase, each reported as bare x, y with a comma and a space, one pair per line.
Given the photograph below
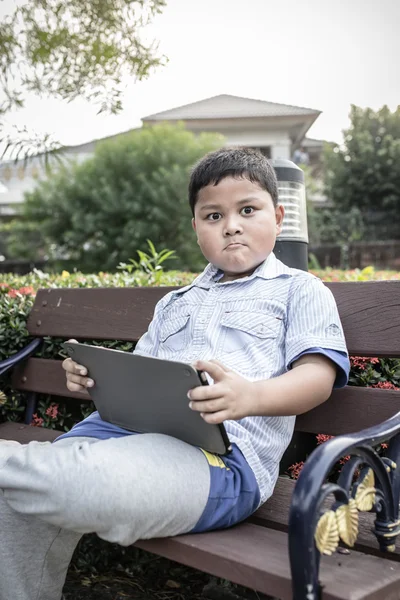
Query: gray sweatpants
123, 489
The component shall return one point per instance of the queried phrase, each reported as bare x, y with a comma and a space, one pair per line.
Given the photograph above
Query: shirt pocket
249, 341
174, 334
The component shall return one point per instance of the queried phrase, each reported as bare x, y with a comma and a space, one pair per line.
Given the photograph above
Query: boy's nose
232, 227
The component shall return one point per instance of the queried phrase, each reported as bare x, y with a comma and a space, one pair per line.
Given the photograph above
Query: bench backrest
370, 313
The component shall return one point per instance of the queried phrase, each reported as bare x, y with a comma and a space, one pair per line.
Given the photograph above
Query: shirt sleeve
340, 359
313, 320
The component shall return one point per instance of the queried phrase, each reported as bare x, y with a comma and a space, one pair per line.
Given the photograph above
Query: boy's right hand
77, 380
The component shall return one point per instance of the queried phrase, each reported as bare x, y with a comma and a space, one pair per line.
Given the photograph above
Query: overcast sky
321, 54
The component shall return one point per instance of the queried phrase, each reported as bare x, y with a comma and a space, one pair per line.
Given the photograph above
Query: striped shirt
256, 326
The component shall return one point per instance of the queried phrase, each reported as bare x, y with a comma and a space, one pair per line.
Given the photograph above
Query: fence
357, 255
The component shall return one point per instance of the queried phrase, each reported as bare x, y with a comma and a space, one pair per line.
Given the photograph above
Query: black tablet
147, 395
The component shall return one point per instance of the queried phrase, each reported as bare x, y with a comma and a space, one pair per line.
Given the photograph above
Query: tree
72, 48
364, 172
100, 212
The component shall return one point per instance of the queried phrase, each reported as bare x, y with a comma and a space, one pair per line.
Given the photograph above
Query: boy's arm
307, 384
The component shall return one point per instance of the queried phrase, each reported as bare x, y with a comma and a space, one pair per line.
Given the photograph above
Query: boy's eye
213, 216
247, 210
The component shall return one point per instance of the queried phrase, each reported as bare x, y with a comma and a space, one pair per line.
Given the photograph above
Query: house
276, 129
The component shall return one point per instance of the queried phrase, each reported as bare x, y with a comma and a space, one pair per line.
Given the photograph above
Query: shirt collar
269, 269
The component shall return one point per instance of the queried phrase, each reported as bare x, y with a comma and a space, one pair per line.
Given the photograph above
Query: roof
225, 106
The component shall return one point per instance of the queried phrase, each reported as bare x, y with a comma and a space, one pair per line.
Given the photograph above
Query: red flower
344, 460
52, 411
384, 446
322, 438
37, 421
361, 362
295, 469
27, 291
12, 293
4, 285
384, 385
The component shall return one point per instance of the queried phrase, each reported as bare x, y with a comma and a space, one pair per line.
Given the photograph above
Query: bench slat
44, 376
369, 312
275, 513
26, 433
94, 313
348, 410
257, 557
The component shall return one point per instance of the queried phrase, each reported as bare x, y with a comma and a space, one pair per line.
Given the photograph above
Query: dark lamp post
292, 245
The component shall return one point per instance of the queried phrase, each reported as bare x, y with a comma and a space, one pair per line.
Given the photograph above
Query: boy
269, 338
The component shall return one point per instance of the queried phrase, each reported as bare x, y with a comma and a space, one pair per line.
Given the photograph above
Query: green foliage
364, 172
73, 48
151, 264
134, 188
329, 225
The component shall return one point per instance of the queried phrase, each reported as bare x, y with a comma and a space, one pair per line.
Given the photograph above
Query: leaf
365, 494
327, 533
347, 520
172, 584
151, 246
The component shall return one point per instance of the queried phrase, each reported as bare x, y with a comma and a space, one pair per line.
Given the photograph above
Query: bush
97, 213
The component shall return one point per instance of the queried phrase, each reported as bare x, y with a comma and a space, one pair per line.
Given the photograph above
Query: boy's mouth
233, 245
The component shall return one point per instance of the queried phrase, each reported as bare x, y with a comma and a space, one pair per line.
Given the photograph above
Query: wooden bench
255, 553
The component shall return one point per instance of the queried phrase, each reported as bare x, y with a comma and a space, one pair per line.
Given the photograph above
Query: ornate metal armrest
8, 363
376, 489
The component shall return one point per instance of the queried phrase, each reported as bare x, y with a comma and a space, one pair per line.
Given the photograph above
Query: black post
292, 249
292, 245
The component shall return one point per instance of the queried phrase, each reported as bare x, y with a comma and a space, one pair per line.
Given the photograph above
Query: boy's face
236, 224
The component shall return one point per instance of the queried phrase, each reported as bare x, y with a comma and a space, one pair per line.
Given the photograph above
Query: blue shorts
234, 493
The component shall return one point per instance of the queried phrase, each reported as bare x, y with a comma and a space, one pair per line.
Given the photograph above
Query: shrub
97, 213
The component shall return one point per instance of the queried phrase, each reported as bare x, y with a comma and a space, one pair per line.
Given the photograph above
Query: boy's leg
34, 555
124, 489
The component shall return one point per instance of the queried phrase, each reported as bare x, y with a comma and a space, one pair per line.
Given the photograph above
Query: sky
321, 54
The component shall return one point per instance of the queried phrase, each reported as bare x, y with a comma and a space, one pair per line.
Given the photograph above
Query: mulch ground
162, 580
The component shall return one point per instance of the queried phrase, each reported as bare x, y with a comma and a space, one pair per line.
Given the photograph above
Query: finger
71, 366
217, 362
210, 406
75, 387
216, 417
83, 381
216, 371
206, 392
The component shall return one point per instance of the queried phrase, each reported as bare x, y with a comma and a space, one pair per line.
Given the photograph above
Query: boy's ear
279, 215
194, 228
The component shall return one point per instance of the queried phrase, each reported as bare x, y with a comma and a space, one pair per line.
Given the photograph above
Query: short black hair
238, 162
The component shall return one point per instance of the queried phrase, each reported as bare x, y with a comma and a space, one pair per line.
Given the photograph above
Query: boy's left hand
229, 397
